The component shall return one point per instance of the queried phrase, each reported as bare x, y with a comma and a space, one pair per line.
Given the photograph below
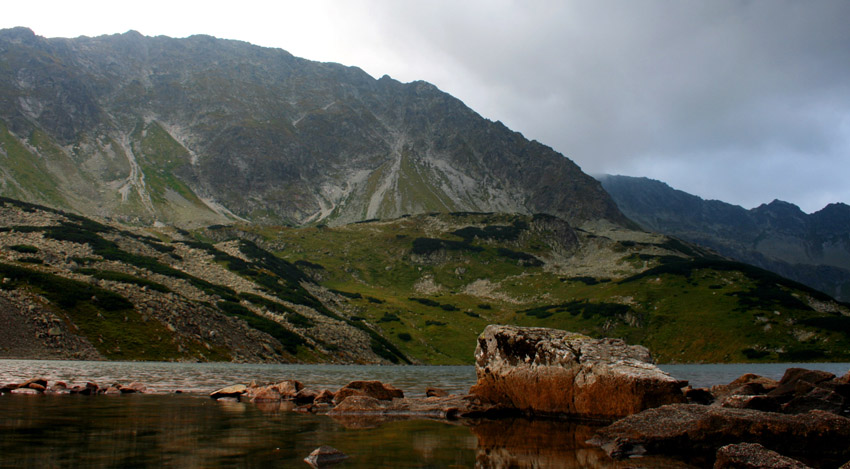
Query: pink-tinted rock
548, 371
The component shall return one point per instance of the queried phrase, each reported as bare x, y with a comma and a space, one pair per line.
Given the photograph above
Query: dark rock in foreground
553, 372
753, 456
687, 429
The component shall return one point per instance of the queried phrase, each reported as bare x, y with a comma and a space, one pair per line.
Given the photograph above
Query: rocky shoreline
543, 374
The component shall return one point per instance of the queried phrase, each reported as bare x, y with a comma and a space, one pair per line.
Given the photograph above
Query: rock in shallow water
237, 390
548, 371
325, 456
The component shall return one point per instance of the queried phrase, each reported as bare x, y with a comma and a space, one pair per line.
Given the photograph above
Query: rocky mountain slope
812, 249
414, 289
198, 131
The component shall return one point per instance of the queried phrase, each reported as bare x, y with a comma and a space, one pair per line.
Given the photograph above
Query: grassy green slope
432, 286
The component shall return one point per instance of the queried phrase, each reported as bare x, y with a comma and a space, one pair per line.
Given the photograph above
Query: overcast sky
741, 101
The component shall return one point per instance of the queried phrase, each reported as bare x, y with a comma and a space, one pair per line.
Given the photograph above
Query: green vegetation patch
287, 338
107, 319
24, 248
428, 246
584, 308
492, 232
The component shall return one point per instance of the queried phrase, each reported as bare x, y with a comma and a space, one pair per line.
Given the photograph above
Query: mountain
200, 131
811, 249
416, 289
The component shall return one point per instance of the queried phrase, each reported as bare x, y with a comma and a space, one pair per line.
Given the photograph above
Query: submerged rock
325, 456
548, 371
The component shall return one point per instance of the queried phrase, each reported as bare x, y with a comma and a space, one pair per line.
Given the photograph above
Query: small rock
324, 396
763, 403
266, 394
289, 388
306, 396
39, 381
435, 392
376, 389
753, 456
237, 390
38, 387
698, 395
134, 387
325, 456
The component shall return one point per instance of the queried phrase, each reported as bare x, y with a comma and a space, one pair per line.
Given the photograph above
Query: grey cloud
679, 83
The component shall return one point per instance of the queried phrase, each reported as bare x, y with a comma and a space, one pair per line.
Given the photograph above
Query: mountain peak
18, 34
173, 128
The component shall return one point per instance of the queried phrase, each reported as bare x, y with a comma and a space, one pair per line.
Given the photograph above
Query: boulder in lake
375, 389
547, 371
689, 429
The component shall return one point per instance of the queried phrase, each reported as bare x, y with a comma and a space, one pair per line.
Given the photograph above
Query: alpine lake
178, 425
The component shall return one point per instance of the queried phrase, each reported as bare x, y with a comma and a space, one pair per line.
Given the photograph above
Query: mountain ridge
416, 289
203, 130
813, 249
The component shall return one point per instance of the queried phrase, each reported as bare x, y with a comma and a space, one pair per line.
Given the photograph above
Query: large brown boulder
689, 429
554, 372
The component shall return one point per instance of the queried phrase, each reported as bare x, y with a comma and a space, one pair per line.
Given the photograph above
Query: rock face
689, 429
547, 371
201, 131
812, 249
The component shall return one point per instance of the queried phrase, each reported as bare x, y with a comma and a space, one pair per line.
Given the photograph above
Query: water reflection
191, 431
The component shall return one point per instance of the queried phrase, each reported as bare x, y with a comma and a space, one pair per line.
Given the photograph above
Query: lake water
191, 430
